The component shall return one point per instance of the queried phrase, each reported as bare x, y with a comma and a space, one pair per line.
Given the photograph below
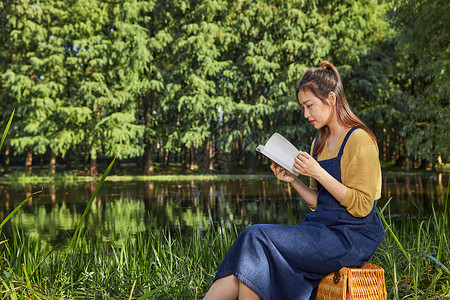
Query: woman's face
316, 111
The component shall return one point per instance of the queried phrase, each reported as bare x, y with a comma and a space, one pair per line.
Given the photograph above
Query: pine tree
197, 65
423, 38
105, 51
32, 76
158, 116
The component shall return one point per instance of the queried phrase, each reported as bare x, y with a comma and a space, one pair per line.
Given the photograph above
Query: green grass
419, 274
24, 179
390, 169
416, 255
159, 263
163, 263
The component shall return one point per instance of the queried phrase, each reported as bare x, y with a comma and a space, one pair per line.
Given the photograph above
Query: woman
343, 229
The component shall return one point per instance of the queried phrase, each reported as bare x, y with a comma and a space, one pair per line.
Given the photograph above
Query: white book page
281, 151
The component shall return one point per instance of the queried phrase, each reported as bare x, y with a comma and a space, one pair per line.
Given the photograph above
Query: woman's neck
336, 134
336, 129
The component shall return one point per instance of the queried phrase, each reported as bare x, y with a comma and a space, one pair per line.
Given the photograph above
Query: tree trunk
237, 153
149, 141
211, 154
250, 163
166, 159
191, 158
93, 169
86, 157
184, 158
29, 160
423, 164
52, 162
68, 161
148, 160
406, 164
7, 158
205, 158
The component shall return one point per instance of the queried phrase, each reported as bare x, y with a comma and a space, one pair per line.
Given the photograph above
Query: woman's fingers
276, 169
301, 163
280, 172
272, 167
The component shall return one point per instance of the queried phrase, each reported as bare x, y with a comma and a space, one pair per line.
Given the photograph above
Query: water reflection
129, 207
413, 194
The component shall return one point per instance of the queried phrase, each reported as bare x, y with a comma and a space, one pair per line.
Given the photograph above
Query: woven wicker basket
366, 283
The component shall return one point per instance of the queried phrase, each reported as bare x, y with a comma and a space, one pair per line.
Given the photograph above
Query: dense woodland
204, 82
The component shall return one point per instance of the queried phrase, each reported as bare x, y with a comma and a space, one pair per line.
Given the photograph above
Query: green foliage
425, 45
144, 77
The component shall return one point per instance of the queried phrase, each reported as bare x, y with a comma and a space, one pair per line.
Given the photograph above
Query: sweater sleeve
361, 173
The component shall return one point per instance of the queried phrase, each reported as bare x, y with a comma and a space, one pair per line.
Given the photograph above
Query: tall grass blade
42, 261
438, 263
396, 239
444, 219
431, 286
75, 235
132, 290
152, 292
17, 208
5, 132
29, 286
385, 205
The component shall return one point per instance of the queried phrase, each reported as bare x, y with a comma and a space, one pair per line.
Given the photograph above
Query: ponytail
321, 81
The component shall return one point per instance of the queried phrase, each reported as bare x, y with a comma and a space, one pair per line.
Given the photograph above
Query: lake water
132, 206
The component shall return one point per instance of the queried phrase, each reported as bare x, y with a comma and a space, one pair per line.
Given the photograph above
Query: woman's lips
312, 121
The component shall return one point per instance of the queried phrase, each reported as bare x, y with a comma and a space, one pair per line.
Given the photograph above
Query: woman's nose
306, 113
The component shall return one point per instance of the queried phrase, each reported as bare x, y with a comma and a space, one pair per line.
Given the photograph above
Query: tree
198, 63
157, 115
250, 78
6, 104
106, 55
423, 38
32, 77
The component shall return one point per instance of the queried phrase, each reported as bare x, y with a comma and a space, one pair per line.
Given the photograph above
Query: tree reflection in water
130, 207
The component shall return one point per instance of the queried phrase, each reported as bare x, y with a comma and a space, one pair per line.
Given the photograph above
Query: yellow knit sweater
360, 172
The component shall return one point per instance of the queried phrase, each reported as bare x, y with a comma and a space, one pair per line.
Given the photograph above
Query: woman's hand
306, 165
308, 194
282, 174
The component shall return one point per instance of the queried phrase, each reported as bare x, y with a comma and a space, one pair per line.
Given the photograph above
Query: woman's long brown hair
321, 81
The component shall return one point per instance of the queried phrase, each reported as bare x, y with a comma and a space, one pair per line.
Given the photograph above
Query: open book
281, 151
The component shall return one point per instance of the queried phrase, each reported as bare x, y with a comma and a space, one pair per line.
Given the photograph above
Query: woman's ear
331, 99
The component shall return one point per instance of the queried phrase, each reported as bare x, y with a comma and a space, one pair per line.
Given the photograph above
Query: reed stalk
5, 132
86, 210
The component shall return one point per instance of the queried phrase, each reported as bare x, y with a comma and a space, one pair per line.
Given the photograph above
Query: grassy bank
174, 264
24, 178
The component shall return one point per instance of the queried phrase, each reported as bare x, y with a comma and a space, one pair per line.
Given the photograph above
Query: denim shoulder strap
344, 142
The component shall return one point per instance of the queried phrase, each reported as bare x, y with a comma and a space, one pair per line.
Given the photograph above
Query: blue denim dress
288, 261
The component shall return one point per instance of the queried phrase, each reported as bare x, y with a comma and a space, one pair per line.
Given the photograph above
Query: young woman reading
343, 230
